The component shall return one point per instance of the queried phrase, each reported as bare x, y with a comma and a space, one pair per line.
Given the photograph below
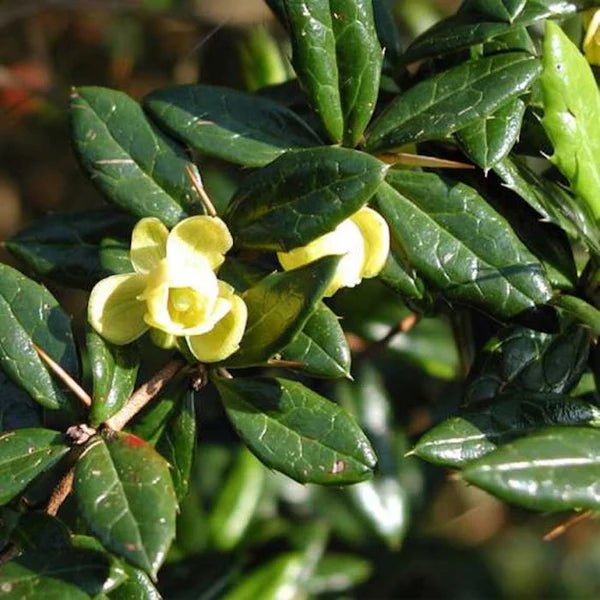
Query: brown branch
562, 527
403, 326
64, 376
60, 493
144, 394
420, 160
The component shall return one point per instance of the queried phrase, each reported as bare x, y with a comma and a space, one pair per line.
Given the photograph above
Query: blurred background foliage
414, 531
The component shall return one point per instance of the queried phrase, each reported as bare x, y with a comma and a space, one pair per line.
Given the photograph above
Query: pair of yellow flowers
175, 293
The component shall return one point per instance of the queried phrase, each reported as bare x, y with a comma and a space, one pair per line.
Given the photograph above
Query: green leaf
117, 574
124, 493
68, 574
337, 573
437, 107
474, 433
24, 454
555, 469
294, 430
521, 359
468, 28
76, 249
387, 32
237, 501
278, 578
177, 443
359, 60
302, 195
401, 278
490, 139
238, 127
129, 159
500, 10
587, 314
30, 315
38, 531
381, 501
137, 586
321, 346
572, 115
460, 244
17, 409
315, 61
279, 307
152, 422
114, 372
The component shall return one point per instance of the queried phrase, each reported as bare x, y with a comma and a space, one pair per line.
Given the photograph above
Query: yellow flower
591, 42
363, 240
174, 290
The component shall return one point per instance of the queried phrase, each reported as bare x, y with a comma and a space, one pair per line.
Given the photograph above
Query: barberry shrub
459, 175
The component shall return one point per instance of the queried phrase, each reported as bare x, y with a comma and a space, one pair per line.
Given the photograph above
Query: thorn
64, 376
418, 160
197, 184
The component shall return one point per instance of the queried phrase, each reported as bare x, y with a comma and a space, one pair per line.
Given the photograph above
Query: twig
60, 493
199, 187
144, 394
562, 527
64, 377
290, 364
403, 326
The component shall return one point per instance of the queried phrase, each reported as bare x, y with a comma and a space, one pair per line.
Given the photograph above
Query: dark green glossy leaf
237, 501
459, 243
38, 531
177, 443
30, 315
152, 422
68, 574
401, 278
500, 10
321, 346
469, 28
517, 39
279, 307
581, 310
302, 195
116, 575
125, 494
555, 469
437, 107
490, 139
359, 60
242, 128
387, 31
129, 159
114, 371
242, 274
76, 249
24, 454
17, 409
294, 430
474, 433
315, 61
137, 586
521, 359
9, 519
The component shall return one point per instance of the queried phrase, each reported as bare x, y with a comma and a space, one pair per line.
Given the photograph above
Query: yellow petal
182, 298
376, 236
224, 339
591, 42
201, 236
148, 244
114, 309
163, 340
345, 239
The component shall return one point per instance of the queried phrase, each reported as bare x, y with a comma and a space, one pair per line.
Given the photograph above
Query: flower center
187, 306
